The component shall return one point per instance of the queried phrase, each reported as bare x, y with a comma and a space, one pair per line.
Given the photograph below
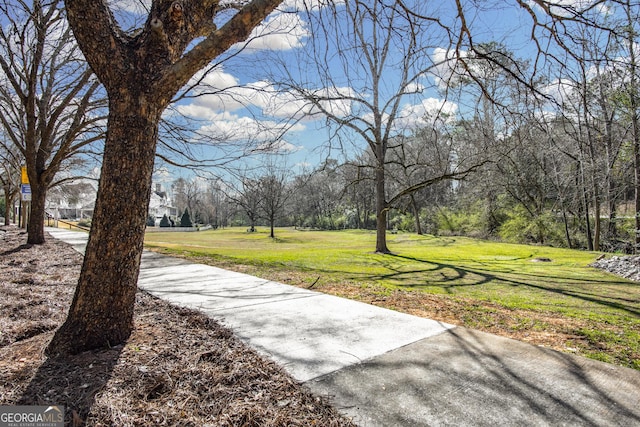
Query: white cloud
428, 113
414, 88
213, 91
256, 112
287, 104
216, 78
561, 91
447, 70
163, 175
230, 128
196, 111
278, 147
568, 8
336, 100
282, 31
217, 91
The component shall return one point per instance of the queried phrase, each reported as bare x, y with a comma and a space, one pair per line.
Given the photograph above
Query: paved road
386, 368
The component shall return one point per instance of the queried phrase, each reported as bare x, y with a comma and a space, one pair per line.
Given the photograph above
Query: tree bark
565, 220
8, 205
416, 214
35, 234
587, 216
612, 229
636, 184
381, 210
101, 313
597, 222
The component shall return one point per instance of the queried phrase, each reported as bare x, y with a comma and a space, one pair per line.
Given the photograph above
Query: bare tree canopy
50, 101
9, 178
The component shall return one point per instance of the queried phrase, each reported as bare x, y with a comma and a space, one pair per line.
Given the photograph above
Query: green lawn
601, 311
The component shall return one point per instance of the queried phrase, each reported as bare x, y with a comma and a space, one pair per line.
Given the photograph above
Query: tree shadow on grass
72, 382
465, 277
470, 277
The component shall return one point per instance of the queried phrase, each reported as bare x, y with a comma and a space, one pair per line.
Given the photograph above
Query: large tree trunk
101, 313
35, 228
416, 215
636, 186
612, 229
381, 211
597, 222
8, 207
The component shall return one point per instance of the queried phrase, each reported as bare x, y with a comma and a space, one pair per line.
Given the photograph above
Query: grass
485, 285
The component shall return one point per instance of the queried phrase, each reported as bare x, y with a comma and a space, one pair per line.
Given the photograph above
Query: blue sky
248, 105
237, 100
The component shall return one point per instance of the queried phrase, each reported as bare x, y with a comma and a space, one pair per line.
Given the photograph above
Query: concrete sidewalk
386, 368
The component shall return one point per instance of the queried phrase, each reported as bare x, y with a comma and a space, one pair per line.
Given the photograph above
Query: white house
76, 200
160, 205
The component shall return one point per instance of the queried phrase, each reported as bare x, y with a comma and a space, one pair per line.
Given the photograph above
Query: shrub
469, 223
164, 222
520, 227
185, 220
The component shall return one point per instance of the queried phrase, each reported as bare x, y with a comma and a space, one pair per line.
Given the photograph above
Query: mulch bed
179, 368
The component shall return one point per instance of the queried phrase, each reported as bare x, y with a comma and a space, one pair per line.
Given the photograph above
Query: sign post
25, 191
24, 175
25, 195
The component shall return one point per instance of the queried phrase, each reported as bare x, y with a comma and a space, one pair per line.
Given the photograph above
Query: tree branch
236, 29
99, 37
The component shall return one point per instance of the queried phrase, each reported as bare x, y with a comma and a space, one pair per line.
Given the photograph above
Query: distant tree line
541, 184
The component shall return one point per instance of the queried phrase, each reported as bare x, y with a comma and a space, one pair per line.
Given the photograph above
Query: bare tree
50, 100
141, 72
9, 178
187, 194
415, 159
631, 97
318, 195
249, 201
273, 192
379, 61
217, 207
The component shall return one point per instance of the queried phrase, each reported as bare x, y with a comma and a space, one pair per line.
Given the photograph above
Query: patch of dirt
544, 329
178, 368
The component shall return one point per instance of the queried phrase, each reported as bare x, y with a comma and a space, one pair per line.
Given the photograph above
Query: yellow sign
25, 177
